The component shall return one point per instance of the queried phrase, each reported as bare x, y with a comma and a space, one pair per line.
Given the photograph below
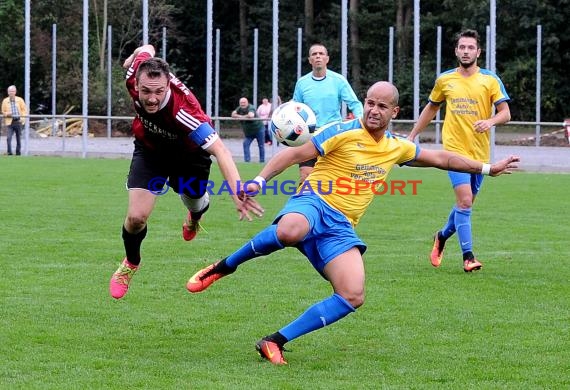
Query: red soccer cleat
190, 228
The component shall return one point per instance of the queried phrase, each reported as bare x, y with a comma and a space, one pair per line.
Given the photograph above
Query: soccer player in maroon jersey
174, 142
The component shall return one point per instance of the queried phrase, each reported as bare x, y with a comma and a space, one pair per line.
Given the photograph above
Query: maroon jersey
180, 124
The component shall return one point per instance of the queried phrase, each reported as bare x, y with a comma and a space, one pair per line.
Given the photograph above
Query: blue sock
463, 225
449, 227
264, 243
317, 316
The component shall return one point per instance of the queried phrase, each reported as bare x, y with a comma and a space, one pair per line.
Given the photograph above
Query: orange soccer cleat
471, 265
436, 254
271, 351
202, 279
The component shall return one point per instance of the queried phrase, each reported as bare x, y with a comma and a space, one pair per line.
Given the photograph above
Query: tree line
368, 40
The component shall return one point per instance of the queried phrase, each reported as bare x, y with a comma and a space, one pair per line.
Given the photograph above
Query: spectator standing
252, 129
15, 111
264, 111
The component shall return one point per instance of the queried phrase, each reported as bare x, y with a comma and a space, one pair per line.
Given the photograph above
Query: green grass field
505, 327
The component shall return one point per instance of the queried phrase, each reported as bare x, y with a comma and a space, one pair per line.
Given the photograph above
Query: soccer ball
293, 123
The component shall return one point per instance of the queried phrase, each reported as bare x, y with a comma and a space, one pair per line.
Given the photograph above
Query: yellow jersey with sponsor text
353, 166
467, 99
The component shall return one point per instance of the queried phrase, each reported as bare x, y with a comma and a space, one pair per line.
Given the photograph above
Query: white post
109, 78
493, 67
27, 75
416, 59
299, 51
217, 83
437, 72
209, 38
85, 94
164, 43
391, 55
54, 79
255, 64
538, 81
145, 22
275, 65
343, 46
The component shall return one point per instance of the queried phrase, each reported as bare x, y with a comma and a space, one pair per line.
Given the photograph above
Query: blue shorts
474, 179
330, 233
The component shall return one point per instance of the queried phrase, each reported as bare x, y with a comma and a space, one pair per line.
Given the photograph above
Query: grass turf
503, 327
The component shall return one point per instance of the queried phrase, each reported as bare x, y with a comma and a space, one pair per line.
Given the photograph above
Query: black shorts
309, 163
182, 171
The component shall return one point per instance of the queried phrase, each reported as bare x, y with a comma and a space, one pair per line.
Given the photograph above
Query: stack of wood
70, 127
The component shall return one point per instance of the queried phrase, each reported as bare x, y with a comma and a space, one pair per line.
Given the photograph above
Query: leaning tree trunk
403, 30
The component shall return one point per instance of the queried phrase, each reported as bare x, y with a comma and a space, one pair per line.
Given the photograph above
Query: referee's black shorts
182, 171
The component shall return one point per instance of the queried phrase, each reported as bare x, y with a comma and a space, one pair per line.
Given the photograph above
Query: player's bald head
384, 88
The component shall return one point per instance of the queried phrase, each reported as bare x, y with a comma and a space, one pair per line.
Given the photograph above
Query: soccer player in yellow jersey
469, 93
353, 158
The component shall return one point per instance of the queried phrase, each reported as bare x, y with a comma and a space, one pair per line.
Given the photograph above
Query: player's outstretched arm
450, 161
244, 204
281, 161
504, 166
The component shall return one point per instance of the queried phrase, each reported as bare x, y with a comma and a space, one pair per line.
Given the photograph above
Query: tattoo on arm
456, 163
272, 174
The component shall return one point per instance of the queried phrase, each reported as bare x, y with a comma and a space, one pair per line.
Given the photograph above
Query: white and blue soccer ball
293, 123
